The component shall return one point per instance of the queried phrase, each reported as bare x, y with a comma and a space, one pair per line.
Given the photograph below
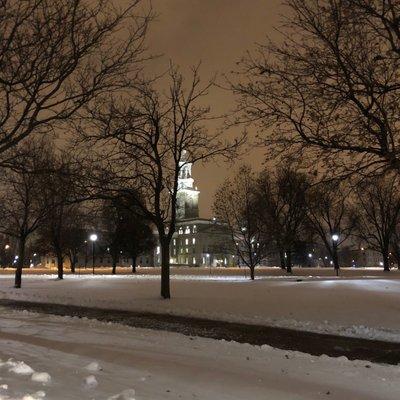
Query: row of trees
272, 211
44, 203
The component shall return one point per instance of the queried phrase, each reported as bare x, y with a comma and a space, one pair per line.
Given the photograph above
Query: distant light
93, 237
309, 255
335, 237
16, 257
362, 248
7, 246
381, 263
34, 254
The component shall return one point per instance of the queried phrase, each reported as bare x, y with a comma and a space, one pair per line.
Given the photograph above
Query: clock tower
187, 202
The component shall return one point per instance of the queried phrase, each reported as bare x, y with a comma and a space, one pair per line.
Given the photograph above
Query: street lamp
335, 238
6, 247
93, 238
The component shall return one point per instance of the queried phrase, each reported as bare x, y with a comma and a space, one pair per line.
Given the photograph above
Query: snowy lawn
47, 357
368, 308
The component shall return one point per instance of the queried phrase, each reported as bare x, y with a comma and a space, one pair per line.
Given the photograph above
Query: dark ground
287, 339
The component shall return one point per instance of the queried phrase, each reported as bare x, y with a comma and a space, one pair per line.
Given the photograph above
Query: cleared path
287, 339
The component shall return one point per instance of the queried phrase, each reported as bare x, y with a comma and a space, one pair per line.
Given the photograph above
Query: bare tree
22, 208
235, 205
377, 209
74, 236
152, 136
112, 217
56, 56
330, 216
58, 190
282, 208
137, 237
330, 87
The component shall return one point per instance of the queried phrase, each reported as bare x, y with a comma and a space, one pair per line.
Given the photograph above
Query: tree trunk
134, 258
289, 261
252, 273
165, 286
60, 265
72, 260
282, 259
20, 263
335, 260
114, 258
386, 265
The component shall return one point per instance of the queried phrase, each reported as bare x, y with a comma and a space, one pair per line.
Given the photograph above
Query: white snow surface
360, 307
140, 364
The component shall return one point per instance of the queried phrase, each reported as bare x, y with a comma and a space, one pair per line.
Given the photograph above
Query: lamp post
6, 248
93, 238
335, 239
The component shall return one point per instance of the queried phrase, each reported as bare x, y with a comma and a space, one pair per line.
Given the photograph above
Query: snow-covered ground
361, 307
47, 357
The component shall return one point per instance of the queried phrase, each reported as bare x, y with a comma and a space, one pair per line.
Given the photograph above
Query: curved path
281, 338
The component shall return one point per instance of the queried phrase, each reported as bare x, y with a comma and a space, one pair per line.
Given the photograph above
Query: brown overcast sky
217, 33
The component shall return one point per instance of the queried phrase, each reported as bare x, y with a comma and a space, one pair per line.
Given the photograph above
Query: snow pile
41, 377
128, 394
93, 367
90, 382
39, 395
20, 368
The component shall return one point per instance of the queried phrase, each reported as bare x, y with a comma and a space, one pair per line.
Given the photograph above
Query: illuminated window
158, 249
180, 232
194, 260
187, 230
194, 229
187, 241
194, 240
187, 250
174, 241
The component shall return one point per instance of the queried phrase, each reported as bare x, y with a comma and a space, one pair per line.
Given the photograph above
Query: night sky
217, 33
